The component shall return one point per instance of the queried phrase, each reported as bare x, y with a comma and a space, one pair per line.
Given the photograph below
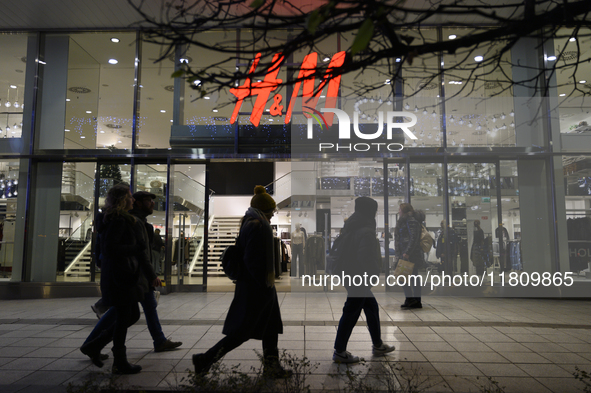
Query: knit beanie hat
262, 201
366, 206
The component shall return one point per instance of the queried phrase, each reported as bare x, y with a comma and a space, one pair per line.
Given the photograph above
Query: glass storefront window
12, 84
100, 88
571, 55
187, 232
578, 213
76, 221
156, 98
479, 96
472, 207
9, 189
152, 178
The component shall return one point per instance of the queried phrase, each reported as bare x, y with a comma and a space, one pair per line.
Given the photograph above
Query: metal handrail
78, 227
78, 257
199, 248
276, 180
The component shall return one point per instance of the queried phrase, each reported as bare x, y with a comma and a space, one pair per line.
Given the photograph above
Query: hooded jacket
363, 247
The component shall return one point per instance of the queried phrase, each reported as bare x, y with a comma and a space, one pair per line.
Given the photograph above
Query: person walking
143, 206
362, 256
447, 244
407, 246
254, 312
477, 252
104, 329
157, 248
122, 254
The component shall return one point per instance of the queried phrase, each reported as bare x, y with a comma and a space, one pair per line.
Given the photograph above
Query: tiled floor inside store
526, 345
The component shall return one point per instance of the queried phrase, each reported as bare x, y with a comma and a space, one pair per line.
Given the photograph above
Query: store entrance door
186, 243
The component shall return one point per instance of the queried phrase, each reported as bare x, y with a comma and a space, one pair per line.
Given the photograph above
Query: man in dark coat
444, 246
363, 257
102, 334
143, 207
254, 312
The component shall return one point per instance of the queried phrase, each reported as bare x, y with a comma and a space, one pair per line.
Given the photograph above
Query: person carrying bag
410, 256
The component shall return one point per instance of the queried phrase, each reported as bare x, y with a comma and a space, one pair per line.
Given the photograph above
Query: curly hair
116, 202
407, 209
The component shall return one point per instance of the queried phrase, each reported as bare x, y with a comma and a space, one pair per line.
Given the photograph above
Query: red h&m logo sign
262, 90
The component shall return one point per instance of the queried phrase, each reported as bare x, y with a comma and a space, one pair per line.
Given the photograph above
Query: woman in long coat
254, 312
407, 246
122, 248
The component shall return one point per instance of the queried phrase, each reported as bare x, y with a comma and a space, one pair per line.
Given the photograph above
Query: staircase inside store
77, 258
222, 233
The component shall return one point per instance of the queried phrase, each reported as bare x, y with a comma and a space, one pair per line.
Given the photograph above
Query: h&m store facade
74, 122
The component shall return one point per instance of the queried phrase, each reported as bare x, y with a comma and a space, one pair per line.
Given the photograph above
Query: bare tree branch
398, 32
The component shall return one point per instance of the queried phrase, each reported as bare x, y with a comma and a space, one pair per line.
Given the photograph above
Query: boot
93, 348
120, 363
272, 369
202, 363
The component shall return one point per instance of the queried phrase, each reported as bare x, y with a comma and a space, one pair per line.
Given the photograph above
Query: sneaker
382, 349
167, 346
344, 357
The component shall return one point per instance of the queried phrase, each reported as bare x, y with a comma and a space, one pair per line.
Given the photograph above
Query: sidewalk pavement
526, 345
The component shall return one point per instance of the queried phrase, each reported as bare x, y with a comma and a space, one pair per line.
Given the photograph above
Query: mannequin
503, 235
298, 243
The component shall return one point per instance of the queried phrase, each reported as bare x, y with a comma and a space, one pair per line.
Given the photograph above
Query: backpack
231, 260
336, 258
426, 241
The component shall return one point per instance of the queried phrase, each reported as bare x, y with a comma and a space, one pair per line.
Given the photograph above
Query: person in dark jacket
254, 312
122, 254
477, 254
143, 205
444, 246
407, 246
157, 248
363, 257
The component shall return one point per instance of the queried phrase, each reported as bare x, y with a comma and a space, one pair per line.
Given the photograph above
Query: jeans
149, 305
412, 289
351, 312
156, 261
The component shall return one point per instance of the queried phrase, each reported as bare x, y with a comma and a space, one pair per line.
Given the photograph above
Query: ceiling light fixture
115, 40
113, 61
478, 59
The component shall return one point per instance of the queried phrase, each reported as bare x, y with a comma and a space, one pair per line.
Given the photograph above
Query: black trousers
230, 342
127, 315
297, 254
